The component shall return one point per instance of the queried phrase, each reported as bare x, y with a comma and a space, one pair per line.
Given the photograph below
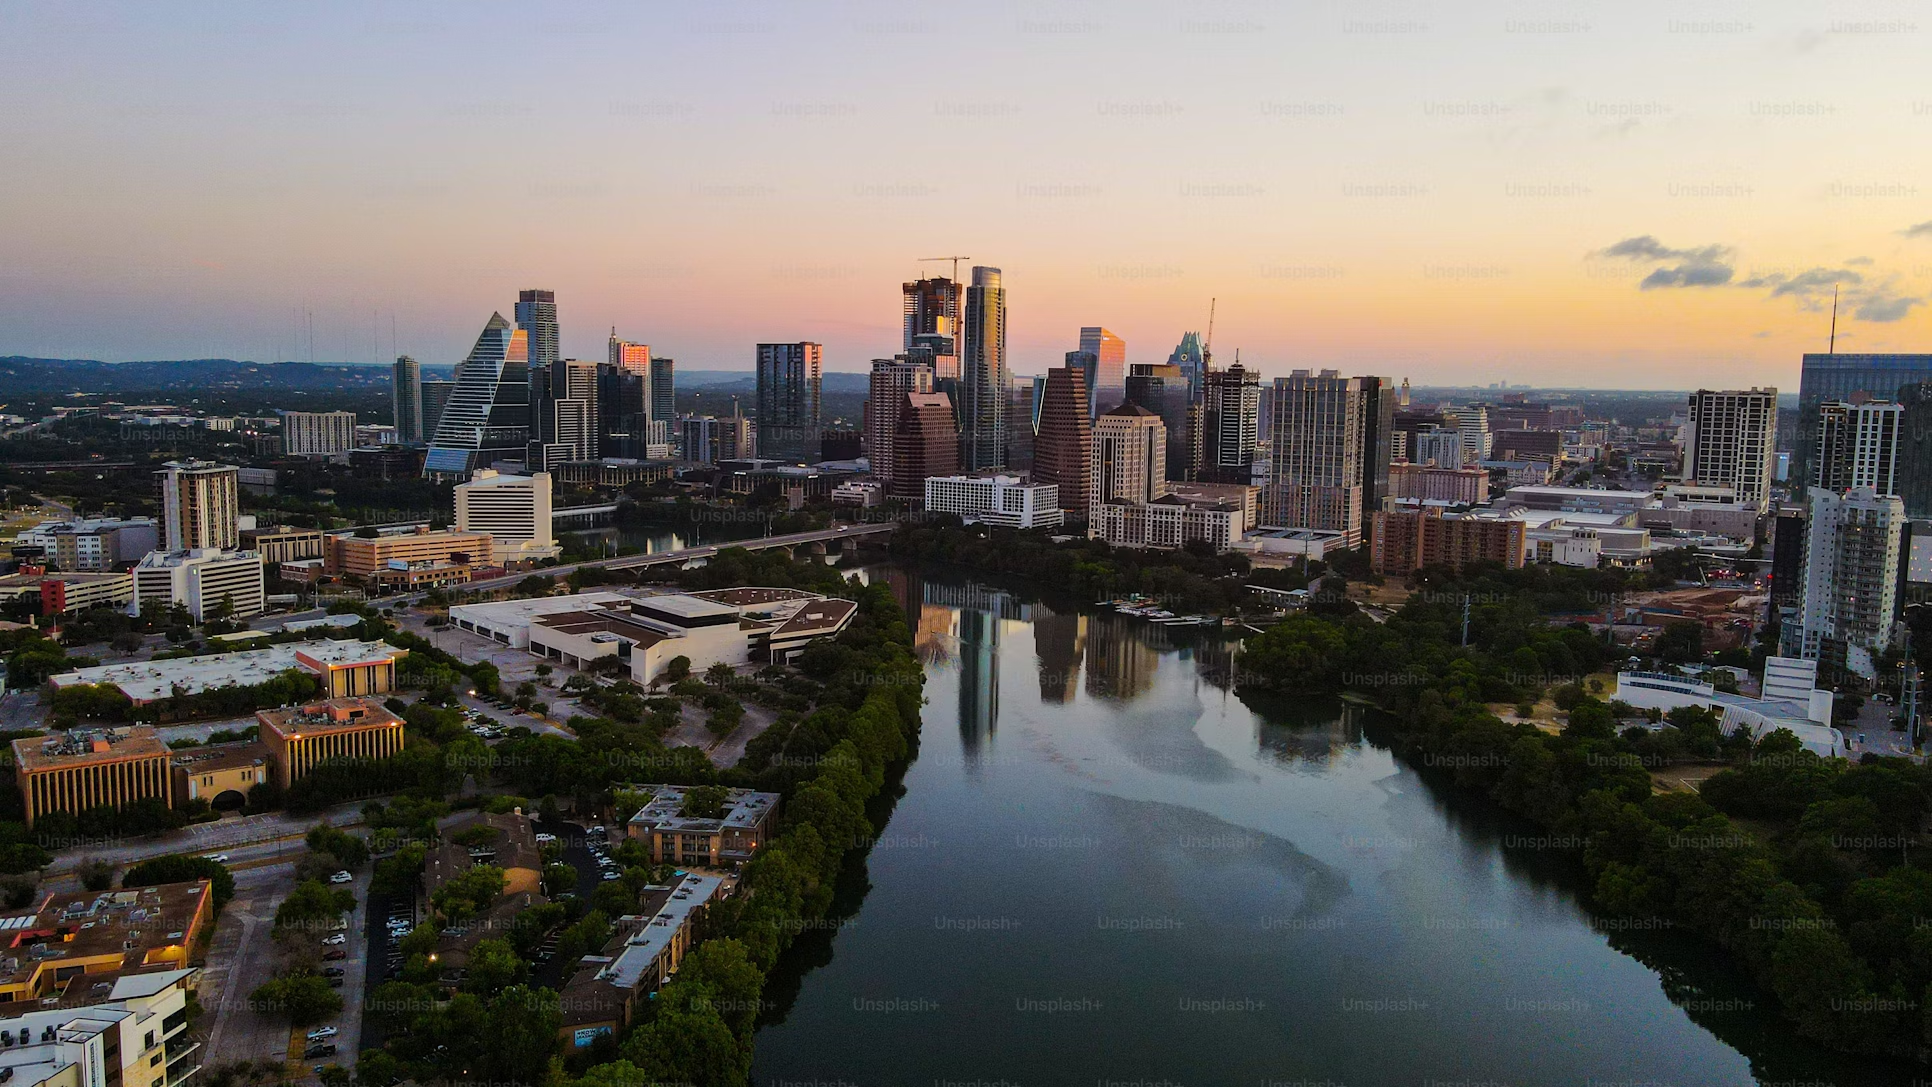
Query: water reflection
1059, 641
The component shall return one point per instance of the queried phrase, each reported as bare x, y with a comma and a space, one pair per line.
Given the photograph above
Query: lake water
1107, 869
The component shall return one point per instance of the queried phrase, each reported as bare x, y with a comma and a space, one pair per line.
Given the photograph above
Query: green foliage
313, 904
352, 851
704, 802
181, 868
302, 999
469, 893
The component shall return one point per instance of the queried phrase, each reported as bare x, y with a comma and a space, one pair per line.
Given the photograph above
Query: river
1105, 868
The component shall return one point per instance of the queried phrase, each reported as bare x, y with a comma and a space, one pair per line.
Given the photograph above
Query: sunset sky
1588, 193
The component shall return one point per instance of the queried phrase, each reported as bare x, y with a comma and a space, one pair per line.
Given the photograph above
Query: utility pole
1465, 619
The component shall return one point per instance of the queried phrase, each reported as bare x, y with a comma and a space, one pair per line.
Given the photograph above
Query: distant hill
24, 375
732, 380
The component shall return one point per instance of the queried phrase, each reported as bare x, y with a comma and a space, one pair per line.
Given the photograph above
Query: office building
564, 421
1732, 440
536, 314
88, 544
1087, 365
64, 594
363, 557
1230, 424
623, 411
318, 433
1110, 366
406, 399
1858, 446
932, 325
983, 374
726, 841
1322, 471
1853, 543
82, 769
789, 412
203, 580
1471, 424
342, 667
1162, 388
697, 439
200, 507
1915, 450
1848, 378
1129, 462
1063, 448
995, 500
1022, 422
664, 392
1404, 541
279, 543
333, 731
737, 435
1526, 444
1378, 439
487, 418
514, 511
890, 382
1192, 357
435, 398
1440, 447
1456, 486
926, 444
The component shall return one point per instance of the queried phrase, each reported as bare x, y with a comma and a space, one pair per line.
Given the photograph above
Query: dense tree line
1817, 896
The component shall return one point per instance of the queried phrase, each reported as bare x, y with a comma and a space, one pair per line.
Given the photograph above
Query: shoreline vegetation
1799, 867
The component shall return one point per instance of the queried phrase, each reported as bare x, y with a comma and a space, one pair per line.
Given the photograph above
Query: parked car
334, 954
334, 941
218, 858
320, 1033
332, 971
326, 1049
334, 983
342, 877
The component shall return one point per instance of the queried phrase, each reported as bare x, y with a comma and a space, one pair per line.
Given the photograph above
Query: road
251, 837
686, 554
242, 958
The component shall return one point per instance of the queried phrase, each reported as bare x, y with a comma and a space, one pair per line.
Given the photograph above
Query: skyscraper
1230, 424
1110, 366
983, 374
1129, 462
200, 505
931, 314
624, 400
1843, 377
664, 395
1192, 358
891, 380
1858, 447
926, 445
1732, 441
1471, 423
737, 437
1162, 389
564, 423
1915, 450
407, 396
1319, 474
488, 415
789, 412
1851, 559
1378, 444
698, 438
1063, 448
1088, 364
536, 314
435, 398
1021, 422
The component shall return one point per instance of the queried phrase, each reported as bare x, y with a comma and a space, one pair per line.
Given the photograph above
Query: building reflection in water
1059, 640
1292, 730
980, 611
1120, 659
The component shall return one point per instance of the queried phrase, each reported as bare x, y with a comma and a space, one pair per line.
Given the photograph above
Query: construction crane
1207, 348
955, 260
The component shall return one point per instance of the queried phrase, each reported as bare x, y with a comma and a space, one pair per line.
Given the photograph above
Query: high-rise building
737, 435
407, 398
1379, 396
537, 315
488, 415
1022, 422
926, 444
1915, 450
789, 412
664, 391
1847, 378
1192, 358
891, 380
1851, 580
1858, 446
1230, 424
200, 506
513, 510
1063, 447
983, 374
1129, 462
318, 433
1162, 388
1110, 366
564, 422
932, 323
1471, 424
1732, 442
1088, 365
698, 438
1439, 447
435, 399
623, 411
1321, 473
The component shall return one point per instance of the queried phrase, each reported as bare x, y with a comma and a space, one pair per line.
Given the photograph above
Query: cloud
1883, 307
1704, 266
1862, 262
1919, 230
1807, 286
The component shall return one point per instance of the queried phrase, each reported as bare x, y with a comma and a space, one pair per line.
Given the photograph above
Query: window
150, 1041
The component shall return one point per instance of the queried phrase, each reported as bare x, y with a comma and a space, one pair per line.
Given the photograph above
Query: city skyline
1637, 194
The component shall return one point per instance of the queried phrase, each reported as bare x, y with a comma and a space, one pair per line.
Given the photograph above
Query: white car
218, 858
319, 1034
342, 877
334, 941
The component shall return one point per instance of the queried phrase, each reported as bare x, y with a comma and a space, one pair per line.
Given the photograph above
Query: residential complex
1851, 577
1732, 437
1330, 443
1404, 542
1858, 446
75, 954
318, 433
790, 377
200, 508
725, 840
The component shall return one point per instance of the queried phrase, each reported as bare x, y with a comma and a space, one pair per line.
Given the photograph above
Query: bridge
585, 514
686, 554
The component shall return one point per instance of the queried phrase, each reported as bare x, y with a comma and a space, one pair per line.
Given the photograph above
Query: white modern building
995, 500
1731, 441
136, 1036
1167, 522
1850, 580
318, 433
1804, 711
201, 580
514, 510
92, 544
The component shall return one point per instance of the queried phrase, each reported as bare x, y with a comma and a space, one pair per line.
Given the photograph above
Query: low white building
201, 580
514, 510
995, 500
135, 1036
735, 626
1167, 523
1789, 704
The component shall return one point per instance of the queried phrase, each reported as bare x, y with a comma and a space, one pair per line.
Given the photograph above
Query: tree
1682, 642
181, 868
522, 1032
300, 998
313, 903
493, 966
469, 893
704, 802
718, 674
676, 669
352, 851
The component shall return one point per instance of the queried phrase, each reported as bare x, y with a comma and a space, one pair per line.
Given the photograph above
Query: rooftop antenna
1832, 347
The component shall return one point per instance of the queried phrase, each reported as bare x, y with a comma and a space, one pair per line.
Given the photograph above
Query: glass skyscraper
983, 375
488, 415
409, 401
537, 315
1838, 377
789, 380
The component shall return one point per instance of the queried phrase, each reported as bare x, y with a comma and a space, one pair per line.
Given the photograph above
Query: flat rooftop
86, 747
213, 758
328, 716
142, 927
743, 809
746, 596
147, 681
504, 613
649, 939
